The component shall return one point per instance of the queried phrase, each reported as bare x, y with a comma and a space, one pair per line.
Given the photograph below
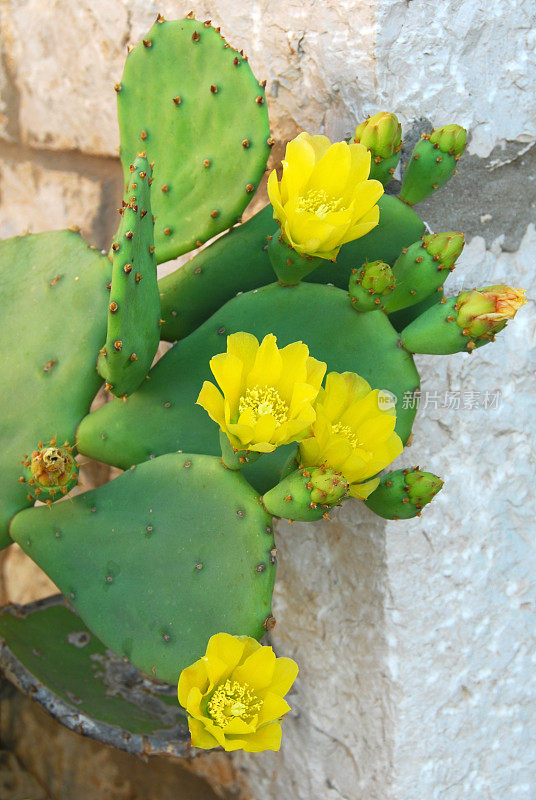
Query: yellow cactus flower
324, 198
268, 394
353, 432
234, 695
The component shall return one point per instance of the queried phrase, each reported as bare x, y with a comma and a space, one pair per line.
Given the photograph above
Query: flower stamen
264, 400
233, 699
350, 435
318, 202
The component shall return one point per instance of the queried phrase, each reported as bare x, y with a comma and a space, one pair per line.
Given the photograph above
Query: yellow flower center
264, 400
233, 699
318, 202
350, 436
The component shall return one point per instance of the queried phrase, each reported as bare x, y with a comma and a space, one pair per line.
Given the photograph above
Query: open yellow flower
268, 394
234, 695
353, 432
324, 198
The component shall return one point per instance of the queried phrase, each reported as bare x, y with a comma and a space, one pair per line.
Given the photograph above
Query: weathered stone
36, 198
70, 766
16, 782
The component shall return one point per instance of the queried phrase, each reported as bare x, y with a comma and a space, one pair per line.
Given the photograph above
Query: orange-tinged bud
483, 312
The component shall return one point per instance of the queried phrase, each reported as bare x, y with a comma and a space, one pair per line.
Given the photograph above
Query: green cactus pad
54, 288
49, 654
436, 332
162, 416
193, 104
134, 303
432, 163
289, 265
402, 493
401, 319
239, 262
160, 559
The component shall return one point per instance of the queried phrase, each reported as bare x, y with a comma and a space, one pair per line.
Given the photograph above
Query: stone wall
413, 638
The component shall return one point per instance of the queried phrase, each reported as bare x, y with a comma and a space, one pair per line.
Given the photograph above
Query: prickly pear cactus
54, 292
282, 395
192, 103
152, 573
134, 309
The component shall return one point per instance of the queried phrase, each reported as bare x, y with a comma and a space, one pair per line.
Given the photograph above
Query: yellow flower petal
226, 648
257, 670
268, 364
285, 673
274, 195
359, 167
243, 346
315, 372
294, 368
331, 172
211, 400
363, 226
273, 707
266, 738
227, 369
319, 144
193, 703
362, 490
237, 727
264, 429
195, 675
298, 164
302, 393
200, 736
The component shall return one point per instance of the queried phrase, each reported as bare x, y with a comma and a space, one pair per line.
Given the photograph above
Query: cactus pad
134, 302
161, 558
49, 654
53, 286
193, 104
239, 262
162, 416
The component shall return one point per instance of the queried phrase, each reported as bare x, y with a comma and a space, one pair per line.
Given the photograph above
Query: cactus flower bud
328, 486
403, 493
306, 494
450, 139
445, 248
50, 472
369, 284
464, 322
483, 312
381, 134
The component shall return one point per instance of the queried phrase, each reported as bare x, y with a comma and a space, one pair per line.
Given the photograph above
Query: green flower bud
422, 487
444, 247
403, 493
369, 284
450, 139
381, 134
328, 486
